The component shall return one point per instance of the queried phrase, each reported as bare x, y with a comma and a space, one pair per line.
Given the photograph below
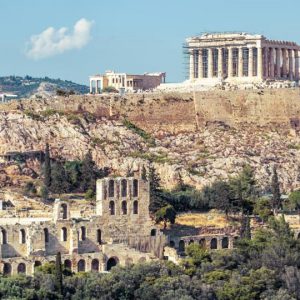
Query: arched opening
111, 188
124, 188
112, 208
64, 211
81, 265
64, 234
202, 243
213, 244
7, 269
112, 262
95, 265
37, 263
46, 235
191, 242
153, 232
124, 208
181, 246
172, 244
21, 268
135, 207
22, 236
225, 242
83, 233
4, 236
298, 237
135, 191
68, 264
99, 236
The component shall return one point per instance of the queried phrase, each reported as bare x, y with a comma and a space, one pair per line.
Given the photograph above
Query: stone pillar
296, 55
291, 65
200, 64
266, 62
240, 65
91, 86
96, 86
210, 63
284, 63
192, 65
278, 63
220, 63
272, 65
260, 62
250, 62
230, 66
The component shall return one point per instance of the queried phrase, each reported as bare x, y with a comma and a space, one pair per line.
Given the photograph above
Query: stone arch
112, 262
64, 211
202, 242
135, 207
68, 264
111, 188
213, 243
46, 235
3, 237
81, 265
99, 236
21, 268
153, 232
123, 188
95, 265
181, 246
7, 269
172, 244
22, 236
124, 207
191, 242
135, 192
83, 233
112, 208
225, 242
64, 234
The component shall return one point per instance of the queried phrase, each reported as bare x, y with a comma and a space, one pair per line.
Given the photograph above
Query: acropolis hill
209, 138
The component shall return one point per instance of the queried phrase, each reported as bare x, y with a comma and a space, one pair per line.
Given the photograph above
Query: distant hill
28, 86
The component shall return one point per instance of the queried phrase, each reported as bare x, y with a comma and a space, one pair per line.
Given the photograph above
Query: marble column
240, 65
250, 62
210, 63
220, 63
230, 65
91, 86
200, 64
284, 63
266, 62
96, 86
260, 62
272, 65
192, 65
296, 55
278, 63
291, 64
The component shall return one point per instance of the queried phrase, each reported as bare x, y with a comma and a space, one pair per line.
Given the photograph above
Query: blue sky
132, 36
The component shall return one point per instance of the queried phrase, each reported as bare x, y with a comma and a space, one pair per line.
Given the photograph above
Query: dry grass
212, 218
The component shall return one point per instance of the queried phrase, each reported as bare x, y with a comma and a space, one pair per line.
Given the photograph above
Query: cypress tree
58, 274
144, 173
89, 173
47, 167
246, 228
59, 179
275, 188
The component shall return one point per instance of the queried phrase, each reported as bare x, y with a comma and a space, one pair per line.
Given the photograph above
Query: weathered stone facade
119, 232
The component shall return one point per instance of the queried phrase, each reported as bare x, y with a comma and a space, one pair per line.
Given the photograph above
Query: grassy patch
294, 146
158, 158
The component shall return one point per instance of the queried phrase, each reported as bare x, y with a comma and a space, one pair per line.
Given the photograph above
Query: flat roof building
241, 57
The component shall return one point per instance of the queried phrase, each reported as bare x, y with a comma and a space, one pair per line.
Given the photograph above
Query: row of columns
268, 63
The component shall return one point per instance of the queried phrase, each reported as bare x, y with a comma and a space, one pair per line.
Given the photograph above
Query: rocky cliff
203, 136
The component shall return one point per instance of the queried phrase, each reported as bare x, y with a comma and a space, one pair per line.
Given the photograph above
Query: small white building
126, 82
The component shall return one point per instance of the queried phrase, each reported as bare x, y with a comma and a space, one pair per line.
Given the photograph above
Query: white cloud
52, 42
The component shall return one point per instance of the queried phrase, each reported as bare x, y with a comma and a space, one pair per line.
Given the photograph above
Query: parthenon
241, 57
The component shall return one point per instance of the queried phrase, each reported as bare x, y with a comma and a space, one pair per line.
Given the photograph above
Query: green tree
275, 189
294, 200
73, 171
166, 214
59, 179
144, 173
58, 273
44, 192
47, 167
262, 207
246, 228
89, 173
30, 189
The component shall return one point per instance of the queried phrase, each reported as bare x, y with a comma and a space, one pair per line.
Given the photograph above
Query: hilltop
28, 86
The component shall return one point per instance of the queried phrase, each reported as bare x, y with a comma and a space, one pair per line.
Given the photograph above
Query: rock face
203, 136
